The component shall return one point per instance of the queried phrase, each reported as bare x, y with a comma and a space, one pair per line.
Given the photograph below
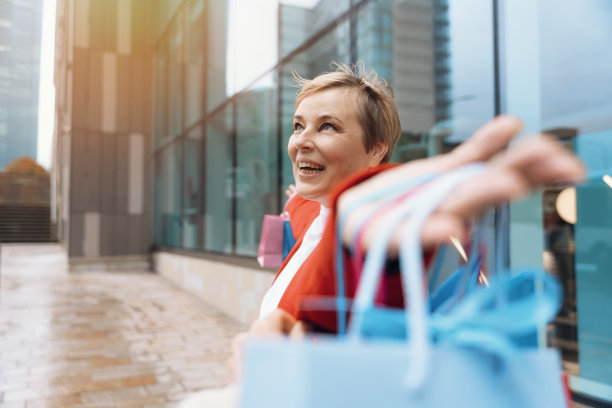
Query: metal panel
147, 92
96, 24
78, 152
121, 238
137, 95
91, 234
94, 84
110, 25
80, 88
123, 93
137, 241
81, 23
109, 173
75, 247
107, 234
136, 174
124, 26
92, 163
122, 166
109, 92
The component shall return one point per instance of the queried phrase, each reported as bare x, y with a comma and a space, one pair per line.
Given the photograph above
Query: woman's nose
303, 140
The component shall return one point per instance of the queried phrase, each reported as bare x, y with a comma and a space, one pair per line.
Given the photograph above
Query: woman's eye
297, 127
328, 126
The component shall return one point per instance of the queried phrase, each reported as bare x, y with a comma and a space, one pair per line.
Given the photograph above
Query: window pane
313, 61
216, 15
161, 95
219, 182
301, 20
438, 57
192, 219
558, 65
171, 200
257, 161
194, 48
175, 78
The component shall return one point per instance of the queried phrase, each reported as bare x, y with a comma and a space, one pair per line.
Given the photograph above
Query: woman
343, 123
345, 128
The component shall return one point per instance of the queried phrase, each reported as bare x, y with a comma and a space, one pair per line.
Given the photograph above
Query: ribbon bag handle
416, 210
386, 195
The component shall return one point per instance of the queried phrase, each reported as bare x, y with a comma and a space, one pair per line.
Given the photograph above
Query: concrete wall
235, 290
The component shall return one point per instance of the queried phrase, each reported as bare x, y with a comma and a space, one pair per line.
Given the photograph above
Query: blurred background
151, 134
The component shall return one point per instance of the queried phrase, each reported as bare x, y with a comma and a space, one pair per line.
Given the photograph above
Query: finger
235, 361
299, 330
487, 141
470, 199
542, 161
279, 322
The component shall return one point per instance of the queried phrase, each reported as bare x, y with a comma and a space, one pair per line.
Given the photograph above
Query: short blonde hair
376, 110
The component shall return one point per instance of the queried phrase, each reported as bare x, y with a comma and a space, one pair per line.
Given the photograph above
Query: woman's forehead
329, 101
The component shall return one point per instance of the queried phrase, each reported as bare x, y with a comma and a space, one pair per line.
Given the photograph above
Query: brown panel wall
137, 96
99, 162
124, 91
122, 154
80, 89
75, 247
110, 25
107, 234
95, 90
122, 229
97, 24
109, 173
137, 244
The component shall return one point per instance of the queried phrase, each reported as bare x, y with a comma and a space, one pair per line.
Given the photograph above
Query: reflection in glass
175, 78
594, 259
194, 66
438, 57
191, 221
252, 43
576, 36
161, 95
314, 60
171, 199
300, 20
256, 158
216, 82
219, 182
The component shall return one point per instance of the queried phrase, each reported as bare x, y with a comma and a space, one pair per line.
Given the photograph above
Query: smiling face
327, 143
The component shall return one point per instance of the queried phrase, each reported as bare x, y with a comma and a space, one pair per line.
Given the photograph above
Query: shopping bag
276, 240
270, 252
460, 359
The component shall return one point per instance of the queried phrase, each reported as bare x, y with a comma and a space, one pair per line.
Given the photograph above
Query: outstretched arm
511, 173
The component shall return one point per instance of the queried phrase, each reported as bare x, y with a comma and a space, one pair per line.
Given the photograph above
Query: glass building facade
224, 100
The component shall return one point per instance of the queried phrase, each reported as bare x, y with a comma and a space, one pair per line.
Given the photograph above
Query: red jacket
316, 276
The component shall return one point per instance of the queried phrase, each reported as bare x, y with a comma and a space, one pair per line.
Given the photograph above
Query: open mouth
309, 168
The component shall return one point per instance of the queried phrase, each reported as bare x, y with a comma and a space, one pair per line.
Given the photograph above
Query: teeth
309, 166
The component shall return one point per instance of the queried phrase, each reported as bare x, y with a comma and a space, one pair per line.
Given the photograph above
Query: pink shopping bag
270, 253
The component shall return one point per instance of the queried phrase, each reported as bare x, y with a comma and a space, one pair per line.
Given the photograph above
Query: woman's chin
310, 193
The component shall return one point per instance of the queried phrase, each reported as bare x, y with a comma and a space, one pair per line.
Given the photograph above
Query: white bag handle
415, 211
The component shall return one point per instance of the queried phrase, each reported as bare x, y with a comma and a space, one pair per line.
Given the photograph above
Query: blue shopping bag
463, 358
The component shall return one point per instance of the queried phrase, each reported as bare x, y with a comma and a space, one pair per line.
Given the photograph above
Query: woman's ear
379, 151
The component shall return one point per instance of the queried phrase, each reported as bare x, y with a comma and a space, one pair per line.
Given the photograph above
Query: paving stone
103, 339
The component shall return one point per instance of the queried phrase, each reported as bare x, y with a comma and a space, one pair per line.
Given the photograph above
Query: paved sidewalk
102, 339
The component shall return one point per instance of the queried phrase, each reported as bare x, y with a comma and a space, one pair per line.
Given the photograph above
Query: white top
311, 240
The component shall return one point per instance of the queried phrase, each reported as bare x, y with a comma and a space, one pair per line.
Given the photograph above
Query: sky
46, 98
